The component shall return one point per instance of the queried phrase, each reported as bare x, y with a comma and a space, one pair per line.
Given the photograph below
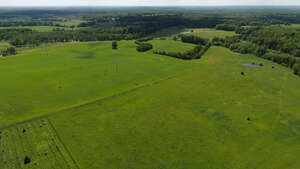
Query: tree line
27, 23
196, 53
23, 37
238, 44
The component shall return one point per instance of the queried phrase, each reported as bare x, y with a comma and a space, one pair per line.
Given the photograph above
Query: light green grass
194, 115
208, 33
40, 81
195, 120
171, 45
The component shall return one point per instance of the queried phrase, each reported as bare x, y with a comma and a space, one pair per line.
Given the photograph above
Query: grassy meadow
124, 109
198, 119
171, 45
64, 75
208, 33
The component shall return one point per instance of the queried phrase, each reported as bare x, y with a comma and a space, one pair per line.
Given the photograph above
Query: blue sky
145, 2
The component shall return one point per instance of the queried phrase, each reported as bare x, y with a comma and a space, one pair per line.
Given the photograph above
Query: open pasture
171, 45
66, 75
124, 109
208, 33
210, 116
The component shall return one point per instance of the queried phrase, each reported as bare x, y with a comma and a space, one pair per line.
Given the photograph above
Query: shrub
9, 51
114, 45
296, 68
143, 47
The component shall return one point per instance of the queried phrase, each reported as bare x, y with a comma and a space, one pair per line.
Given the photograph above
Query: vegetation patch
142, 46
34, 144
238, 44
195, 53
208, 33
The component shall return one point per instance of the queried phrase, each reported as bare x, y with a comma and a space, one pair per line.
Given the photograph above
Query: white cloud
144, 2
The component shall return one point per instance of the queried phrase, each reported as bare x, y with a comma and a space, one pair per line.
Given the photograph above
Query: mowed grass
171, 45
195, 120
208, 33
52, 78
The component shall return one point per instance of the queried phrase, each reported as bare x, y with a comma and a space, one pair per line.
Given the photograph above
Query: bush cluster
195, 53
9, 51
142, 46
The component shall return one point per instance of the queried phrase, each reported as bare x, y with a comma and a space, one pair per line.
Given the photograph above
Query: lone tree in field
114, 45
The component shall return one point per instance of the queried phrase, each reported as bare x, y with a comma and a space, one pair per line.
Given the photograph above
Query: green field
171, 45
38, 143
124, 109
208, 33
65, 72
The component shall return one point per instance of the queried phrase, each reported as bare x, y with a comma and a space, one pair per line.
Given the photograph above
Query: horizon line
95, 6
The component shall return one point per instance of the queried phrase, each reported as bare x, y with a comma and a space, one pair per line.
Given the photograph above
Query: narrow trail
99, 100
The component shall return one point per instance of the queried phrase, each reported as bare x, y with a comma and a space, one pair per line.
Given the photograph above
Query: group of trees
279, 38
195, 53
147, 23
23, 37
27, 23
237, 44
297, 68
194, 39
142, 45
9, 51
226, 27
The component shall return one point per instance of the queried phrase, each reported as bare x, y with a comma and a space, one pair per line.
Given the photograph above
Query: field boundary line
65, 147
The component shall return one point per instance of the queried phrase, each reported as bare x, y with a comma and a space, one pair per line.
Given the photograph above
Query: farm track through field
99, 100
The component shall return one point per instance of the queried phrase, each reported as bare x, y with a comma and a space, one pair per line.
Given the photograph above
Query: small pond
253, 65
